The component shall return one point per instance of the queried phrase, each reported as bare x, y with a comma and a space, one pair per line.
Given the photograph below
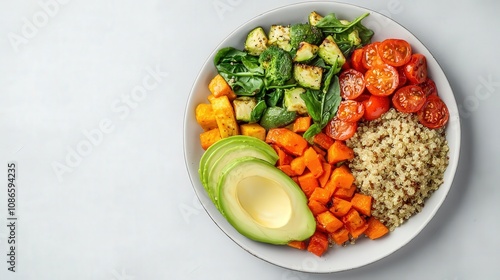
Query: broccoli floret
304, 32
277, 64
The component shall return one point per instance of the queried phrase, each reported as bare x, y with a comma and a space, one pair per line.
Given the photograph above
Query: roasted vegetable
224, 115
256, 41
304, 32
277, 65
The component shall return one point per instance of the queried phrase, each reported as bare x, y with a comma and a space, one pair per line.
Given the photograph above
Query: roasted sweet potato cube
224, 115
345, 193
313, 163
342, 177
318, 243
375, 229
301, 124
298, 165
353, 220
327, 171
340, 236
323, 140
329, 222
338, 152
321, 195
219, 87
205, 116
362, 203
308, 183
316, 207
301, 245
207, 138
254, 130
340, 207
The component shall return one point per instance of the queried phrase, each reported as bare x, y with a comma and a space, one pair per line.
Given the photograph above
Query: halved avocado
263, 203
223, 151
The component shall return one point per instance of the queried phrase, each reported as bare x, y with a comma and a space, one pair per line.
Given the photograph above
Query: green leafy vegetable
258, 111
266, 76
241, 70
322, 107
347, 36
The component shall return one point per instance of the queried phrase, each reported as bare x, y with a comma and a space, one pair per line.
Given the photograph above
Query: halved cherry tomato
340, 130
352, 84
416, 69
382, 80
409, 99
350, 111
370, 56
402, 77
434, 113
429, 87
395, 52
376, 106
357, 60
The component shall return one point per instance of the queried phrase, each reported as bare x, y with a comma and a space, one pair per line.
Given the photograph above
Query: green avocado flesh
223, 151
263, 203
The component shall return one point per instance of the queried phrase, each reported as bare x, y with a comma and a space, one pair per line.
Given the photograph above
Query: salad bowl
365, 251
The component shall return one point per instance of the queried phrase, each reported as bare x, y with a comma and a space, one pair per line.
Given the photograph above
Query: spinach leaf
330, 72
347, 36
258, 111
275, 97
241, 71
322, 107
331, 24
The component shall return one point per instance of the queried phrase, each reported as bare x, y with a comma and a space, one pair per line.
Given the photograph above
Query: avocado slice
263, 203
223, 151
277, 117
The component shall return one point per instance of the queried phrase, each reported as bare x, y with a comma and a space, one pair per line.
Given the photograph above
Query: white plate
365, 251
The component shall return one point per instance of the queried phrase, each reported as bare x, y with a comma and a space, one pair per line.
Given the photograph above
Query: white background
103, 192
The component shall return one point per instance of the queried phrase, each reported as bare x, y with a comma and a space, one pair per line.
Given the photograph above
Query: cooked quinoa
399, 162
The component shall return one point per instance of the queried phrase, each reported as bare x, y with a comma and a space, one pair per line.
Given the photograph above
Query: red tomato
434, 113
346, 66
382, 80
352, 84
350, 111
402, 77
409, 99
340, 130
395, 52
370, 56
416, 69
429, 87
357, 60
376, 106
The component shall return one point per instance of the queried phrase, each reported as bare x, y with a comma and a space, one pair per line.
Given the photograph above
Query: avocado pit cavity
265, 201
